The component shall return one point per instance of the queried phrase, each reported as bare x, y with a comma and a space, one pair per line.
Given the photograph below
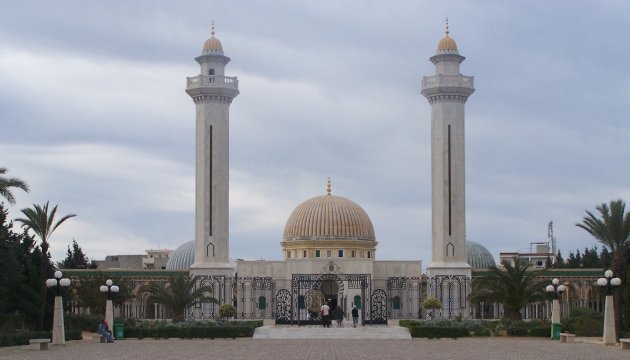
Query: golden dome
329, 217
212, 45
447, 43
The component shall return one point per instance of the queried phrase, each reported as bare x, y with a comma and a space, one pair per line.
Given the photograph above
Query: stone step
318, 332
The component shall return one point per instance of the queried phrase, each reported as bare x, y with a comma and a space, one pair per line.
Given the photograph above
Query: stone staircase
317, 332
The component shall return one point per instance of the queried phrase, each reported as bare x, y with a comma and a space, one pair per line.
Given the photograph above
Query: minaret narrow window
210, 182
211, 72
449, 181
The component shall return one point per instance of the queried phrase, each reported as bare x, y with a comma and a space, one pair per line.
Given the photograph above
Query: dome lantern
212, 45
447, 44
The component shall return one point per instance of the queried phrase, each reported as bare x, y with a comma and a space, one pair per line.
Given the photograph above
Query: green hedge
16, 338
584, 322
533, 328
82, 322
438, 332
190, 332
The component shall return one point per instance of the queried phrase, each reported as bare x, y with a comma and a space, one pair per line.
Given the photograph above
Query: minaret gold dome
212, 45
447, 44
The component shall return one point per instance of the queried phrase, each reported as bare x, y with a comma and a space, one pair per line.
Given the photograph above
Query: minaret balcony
448, 80
211, 81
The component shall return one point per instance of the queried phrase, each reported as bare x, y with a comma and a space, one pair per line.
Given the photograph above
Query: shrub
584, 322
432, 304
15, 338
82, 322
192, 329
438, 332
536, 328
227, 311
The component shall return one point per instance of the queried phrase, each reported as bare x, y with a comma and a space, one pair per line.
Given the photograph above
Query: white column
610, 337
109, 315
58, 333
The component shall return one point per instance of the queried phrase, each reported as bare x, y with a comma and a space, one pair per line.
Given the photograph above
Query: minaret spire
212, 93
447, 92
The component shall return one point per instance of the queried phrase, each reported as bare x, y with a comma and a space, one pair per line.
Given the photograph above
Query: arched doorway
330, 289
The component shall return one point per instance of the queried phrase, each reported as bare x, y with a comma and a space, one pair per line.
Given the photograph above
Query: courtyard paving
465, 348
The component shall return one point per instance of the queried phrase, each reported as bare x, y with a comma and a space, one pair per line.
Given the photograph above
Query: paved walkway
320, 333
250, 349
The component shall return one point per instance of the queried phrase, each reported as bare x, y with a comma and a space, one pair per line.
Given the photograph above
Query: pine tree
75, 258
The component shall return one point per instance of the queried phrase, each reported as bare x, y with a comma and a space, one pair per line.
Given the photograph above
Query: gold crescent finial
328, 187
212, 28
446, 30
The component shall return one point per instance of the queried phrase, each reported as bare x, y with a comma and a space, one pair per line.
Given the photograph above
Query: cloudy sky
93, 115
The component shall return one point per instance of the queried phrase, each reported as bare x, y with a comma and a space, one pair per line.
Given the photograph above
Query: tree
513, 286
20, 296
432, 304
179, 293
612, 229
6, 183
89, 296
76, 259
43, 224
227, 311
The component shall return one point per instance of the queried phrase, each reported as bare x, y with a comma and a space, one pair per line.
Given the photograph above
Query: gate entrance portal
300, 302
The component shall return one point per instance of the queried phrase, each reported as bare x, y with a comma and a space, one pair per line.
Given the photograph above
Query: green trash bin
119, 331
555, 331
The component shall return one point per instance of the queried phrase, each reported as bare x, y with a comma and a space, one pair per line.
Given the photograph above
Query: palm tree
43, 225
613, 231
6, 183
514, 286
178, 294
41, 222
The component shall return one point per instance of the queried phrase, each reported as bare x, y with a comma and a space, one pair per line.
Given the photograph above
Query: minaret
447, 92
212, 92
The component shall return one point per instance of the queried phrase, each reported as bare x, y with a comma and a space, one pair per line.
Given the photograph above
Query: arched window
211, 72
357, 301
396, 302
262, 303
450, 248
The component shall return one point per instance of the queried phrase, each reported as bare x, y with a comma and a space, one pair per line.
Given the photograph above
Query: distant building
538, 256
154, 259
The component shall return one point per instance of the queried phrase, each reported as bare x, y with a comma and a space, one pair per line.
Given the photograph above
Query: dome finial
446, 29
328, 187
213, 28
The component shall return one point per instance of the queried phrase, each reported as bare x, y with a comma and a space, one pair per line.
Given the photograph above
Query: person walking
355, 316
325, 313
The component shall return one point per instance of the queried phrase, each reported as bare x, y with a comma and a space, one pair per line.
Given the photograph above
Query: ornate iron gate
378, 308
284, 307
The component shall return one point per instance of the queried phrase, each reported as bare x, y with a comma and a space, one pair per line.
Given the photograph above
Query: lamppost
109, 289
608, 282
59, 333
556, 290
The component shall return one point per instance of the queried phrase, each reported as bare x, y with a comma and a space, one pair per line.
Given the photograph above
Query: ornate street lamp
556, 290
610, 283
59, 333
109, 289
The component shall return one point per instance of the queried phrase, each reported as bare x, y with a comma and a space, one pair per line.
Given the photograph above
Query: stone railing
448, 80
211, 81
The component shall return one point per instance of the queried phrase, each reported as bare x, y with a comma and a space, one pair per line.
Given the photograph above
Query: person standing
355, 316
325, 313
339, 316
